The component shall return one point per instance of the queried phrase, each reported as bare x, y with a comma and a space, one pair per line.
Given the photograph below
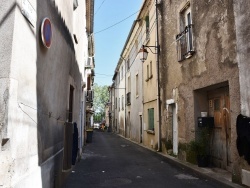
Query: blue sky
109, 43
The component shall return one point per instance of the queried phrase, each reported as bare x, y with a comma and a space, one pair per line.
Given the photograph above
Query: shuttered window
151, 119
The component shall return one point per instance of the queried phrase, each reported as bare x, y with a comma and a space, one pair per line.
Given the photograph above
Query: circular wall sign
46, 32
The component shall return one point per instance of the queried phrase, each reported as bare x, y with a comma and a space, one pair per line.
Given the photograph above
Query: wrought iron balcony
184, 42
89, 95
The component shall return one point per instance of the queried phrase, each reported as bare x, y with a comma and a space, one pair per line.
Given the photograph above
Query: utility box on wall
206, 122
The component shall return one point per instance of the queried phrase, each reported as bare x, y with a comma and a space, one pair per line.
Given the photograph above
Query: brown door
219, 108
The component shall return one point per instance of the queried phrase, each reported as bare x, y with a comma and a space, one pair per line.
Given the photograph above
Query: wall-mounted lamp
143, 53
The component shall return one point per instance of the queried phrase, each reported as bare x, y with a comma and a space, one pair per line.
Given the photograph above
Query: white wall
36, 84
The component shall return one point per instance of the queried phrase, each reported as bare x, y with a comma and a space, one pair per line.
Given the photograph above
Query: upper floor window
122, 102
121, 72
118, 77
128, 102
119, 105
147, 26
184, 39
149, 71
128, 64
129, 84
137, 85
136, 47
75, 4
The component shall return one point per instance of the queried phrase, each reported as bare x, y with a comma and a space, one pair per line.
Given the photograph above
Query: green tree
101, 97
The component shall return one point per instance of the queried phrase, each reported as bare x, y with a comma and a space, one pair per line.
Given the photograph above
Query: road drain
116, 182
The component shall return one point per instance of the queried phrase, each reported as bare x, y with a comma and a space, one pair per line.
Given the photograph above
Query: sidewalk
213, 173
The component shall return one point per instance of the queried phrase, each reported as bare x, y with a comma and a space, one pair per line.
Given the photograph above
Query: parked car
96, 125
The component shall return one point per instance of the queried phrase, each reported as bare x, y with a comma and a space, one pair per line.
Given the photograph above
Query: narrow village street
168, 81
112, 161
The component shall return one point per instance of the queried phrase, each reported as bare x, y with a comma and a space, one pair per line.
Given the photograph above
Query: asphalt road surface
112, 161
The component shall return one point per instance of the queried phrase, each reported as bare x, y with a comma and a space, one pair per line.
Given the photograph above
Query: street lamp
143, 53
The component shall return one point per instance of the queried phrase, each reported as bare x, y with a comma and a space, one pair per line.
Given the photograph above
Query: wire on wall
49, 114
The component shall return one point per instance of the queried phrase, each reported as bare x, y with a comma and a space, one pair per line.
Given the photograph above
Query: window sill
187, 55
150, 132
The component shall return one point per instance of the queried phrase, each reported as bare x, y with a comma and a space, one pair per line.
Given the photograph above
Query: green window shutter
151, 119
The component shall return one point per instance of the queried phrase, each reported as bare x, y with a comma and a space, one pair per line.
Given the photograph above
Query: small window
137, 85
121, 72
119, 104
122, 102
151, 119
216, 104
136, 47
128, 64
75, 4
118, 78
129, 84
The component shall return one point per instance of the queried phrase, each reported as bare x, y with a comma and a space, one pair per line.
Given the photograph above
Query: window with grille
184, 39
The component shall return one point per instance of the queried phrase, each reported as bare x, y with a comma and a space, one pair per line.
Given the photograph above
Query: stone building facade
203, 65
203, 77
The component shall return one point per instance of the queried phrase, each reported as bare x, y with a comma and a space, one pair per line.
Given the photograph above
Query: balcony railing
89, 95
128, 98
184, 42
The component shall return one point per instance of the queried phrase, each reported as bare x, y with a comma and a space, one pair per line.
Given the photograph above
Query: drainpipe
114, 128
158, 79
125, 95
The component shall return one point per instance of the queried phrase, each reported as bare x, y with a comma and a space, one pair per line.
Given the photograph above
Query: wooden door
219, 108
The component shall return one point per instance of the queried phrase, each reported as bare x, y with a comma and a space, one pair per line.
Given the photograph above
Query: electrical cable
116, 23
103, 74
100, 6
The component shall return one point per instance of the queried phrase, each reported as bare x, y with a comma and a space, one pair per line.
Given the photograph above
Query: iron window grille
184, 42
89, 95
